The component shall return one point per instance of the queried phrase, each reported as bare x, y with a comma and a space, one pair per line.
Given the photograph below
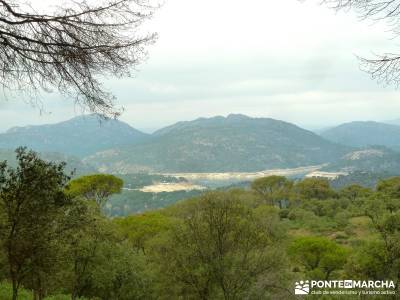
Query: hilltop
362, 134
221, 144
80, 136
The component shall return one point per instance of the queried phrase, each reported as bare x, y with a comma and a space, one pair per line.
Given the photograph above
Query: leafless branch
70, 49
385, 68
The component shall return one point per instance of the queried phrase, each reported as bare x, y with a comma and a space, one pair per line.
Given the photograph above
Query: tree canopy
96, 187
55, 242
32, 210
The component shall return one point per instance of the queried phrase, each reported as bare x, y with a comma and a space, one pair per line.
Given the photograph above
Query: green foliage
74, 165
273, 189
6, 290
390, 187
98, 187
221, 249
319, 256
139, 229
369, 260
132, 201
227, 244
354, 191
368, 179
33, 205
314, 188
23, 294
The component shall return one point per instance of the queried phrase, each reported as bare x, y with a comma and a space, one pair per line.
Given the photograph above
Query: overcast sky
283, 59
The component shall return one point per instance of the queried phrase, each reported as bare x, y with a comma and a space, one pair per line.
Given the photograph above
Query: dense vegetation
362, 178
237, 244
132, 200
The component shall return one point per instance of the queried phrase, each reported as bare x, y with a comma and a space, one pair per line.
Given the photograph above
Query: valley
190, 157
245, 176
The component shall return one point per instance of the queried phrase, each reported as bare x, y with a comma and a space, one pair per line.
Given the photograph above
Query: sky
288, 59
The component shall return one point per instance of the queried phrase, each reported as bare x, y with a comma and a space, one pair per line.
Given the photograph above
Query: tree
390, 187
139, 229
384, 67
354, 191
100, 265
384, 213
314, 188
221, 249
70, 48
369, 260
98, 187
319, 256
32, 199
273, 189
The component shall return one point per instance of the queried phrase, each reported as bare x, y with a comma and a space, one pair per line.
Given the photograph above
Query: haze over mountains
80, 136
361, 134
236, 143
219, 144
376, 159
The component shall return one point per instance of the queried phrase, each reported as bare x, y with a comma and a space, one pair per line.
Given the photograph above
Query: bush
284, 213
301, 215
23, 294
6, 292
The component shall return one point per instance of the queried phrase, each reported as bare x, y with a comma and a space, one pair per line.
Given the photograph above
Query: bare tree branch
386, 67
70, 49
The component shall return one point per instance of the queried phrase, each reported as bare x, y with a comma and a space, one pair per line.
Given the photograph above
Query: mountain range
219, 144
362, 134
235, 143
80, 136
74, 165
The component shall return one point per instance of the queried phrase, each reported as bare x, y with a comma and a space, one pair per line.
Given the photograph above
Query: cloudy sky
283, 59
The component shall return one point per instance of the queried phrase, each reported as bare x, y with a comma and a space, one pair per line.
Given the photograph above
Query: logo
348, 284
344, 287
302, 288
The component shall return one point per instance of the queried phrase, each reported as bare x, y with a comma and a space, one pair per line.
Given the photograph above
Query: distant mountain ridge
80, 136
377, 159
221, 144
393, 121
365, 133
73, 164
236, 143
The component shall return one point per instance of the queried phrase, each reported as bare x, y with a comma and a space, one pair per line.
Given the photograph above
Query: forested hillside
219, 144
236, 244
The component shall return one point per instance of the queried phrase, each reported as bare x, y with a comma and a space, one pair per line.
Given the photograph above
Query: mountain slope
73, 164
235, 143
80, 136
393, 122
377, 159
361, 134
